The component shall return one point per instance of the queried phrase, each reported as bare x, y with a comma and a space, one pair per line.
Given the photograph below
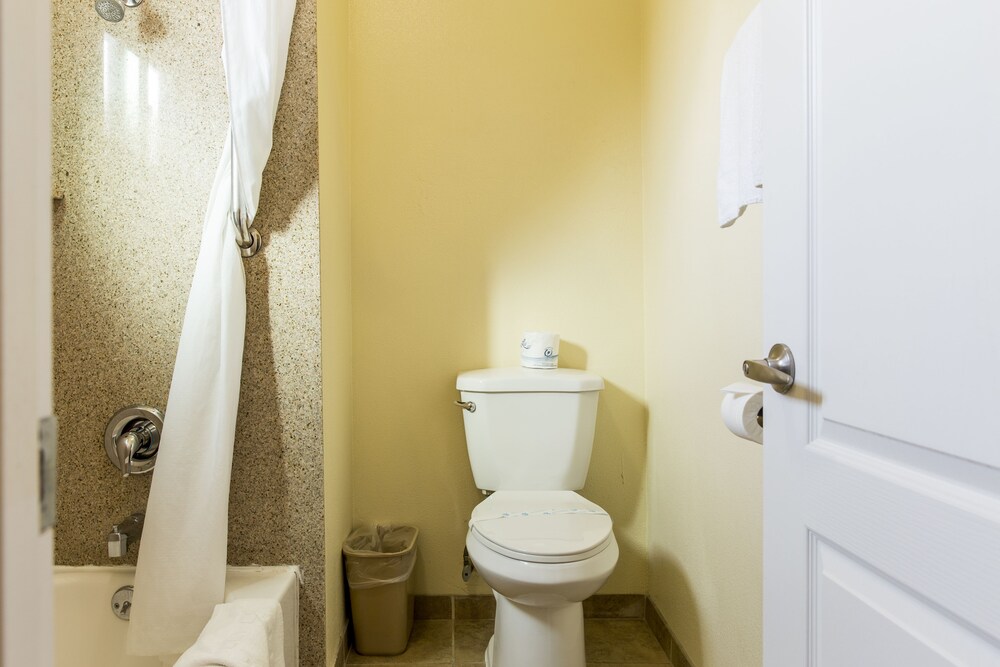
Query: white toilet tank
532, 429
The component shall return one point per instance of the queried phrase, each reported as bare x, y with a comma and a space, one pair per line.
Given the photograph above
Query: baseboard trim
470, 607
658, 626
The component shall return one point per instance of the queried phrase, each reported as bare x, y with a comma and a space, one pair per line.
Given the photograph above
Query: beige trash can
379, 563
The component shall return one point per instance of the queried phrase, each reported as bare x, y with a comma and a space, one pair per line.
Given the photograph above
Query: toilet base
529, 636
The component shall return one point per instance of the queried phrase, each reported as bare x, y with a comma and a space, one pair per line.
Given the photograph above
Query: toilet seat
541, 526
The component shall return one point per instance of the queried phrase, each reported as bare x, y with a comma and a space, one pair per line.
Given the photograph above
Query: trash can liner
379, 561
380, 555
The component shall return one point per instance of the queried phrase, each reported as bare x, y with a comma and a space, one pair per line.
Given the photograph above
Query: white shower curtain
181, 570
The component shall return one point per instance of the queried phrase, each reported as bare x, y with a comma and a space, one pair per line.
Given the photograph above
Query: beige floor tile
614, 606
471, 639
430, 644
615, 641
438, 643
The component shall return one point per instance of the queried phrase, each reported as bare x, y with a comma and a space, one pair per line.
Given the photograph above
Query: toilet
542, 547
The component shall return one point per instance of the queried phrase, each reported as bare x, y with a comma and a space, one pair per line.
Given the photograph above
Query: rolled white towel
244, 633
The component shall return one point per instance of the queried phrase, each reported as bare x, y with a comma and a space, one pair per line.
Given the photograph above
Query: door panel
938, 537
869, 620
25, 331
905, 171
882, 465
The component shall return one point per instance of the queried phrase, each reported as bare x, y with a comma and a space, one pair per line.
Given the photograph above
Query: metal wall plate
121, 602
125, 419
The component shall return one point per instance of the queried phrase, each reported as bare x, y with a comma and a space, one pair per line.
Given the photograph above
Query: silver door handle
466, 405
778, 370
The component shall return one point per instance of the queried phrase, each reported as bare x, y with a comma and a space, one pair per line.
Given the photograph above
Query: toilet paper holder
742, 411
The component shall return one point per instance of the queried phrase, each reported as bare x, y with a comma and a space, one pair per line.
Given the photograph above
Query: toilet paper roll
540, 349
741, 404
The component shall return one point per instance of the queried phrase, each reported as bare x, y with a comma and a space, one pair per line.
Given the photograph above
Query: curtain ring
247, 238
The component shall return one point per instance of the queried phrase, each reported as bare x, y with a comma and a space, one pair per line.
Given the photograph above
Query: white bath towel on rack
741, 126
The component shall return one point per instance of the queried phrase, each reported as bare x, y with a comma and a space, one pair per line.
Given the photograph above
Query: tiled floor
610, 643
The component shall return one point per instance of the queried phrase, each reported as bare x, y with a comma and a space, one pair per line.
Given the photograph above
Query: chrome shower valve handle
132, 439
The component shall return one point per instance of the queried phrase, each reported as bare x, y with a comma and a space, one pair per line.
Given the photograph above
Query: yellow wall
496, 175
702, 318
548, 165
335, 284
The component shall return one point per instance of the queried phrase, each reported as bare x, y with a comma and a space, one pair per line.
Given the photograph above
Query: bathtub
88, 634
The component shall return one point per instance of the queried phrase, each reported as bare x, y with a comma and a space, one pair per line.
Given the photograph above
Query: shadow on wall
616, 480
681, 597
572, 355
290, 244
277, 483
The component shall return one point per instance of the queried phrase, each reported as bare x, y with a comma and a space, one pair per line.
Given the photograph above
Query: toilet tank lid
496, 380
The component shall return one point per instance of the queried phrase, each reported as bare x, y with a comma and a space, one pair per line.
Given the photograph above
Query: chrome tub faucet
124, 533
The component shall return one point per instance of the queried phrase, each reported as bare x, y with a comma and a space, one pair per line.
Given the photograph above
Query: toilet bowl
542, 553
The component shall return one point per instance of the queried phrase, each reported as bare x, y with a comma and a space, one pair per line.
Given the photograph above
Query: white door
882, 274
25, 331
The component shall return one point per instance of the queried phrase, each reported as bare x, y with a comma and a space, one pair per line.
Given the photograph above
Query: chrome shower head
110, 10
114, 10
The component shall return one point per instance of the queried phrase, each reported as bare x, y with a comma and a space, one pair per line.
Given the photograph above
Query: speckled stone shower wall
140, 116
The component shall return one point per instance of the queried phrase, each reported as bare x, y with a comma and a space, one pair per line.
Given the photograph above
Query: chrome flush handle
466, 405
